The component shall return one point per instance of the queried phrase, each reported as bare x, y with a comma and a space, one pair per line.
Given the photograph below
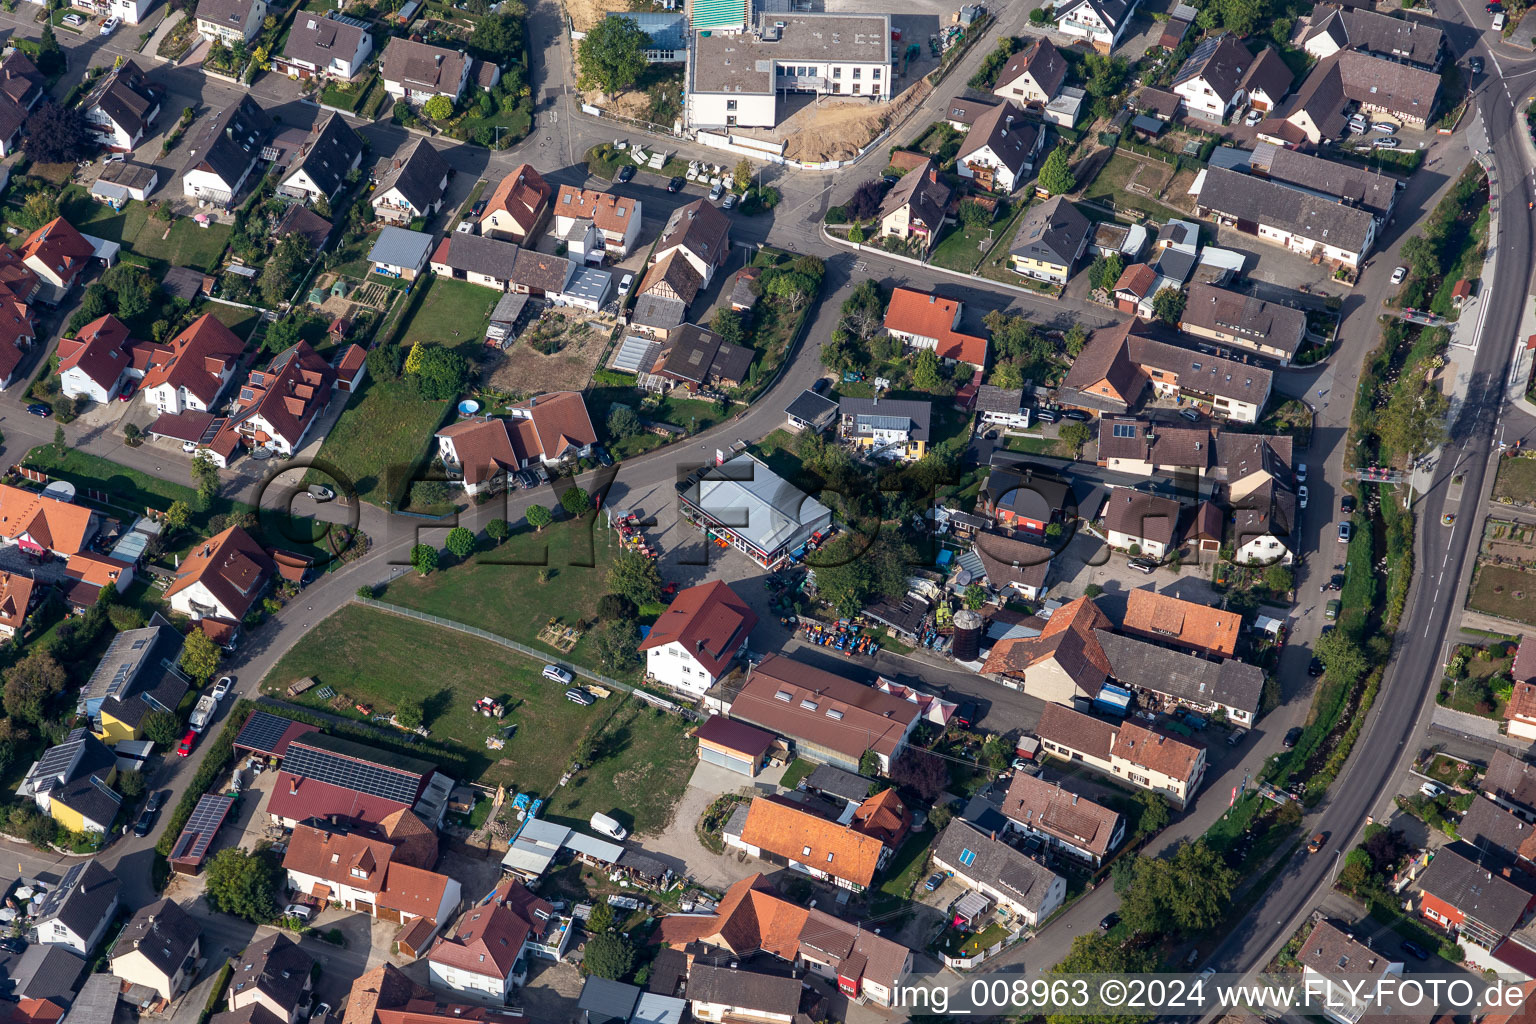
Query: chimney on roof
293, 785
933, 175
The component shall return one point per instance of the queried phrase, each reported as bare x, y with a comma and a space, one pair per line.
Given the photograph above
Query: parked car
716, 191
39, 409
1190, 414
1301, 495
127, 391
603, 458
1253, 118
608, 826
1109, 921
1331, 610
731, 199
1475, 65
190, 447
556, 674
320, 492
676, 184
1346, 531
1315, 667
1347, 504
156, 800
934, 881
965, 714
184, 748
1143, 565
1390, 142
478, 209
1498, 22
1236, 736
1301, 472
1075, 414
145, 822
1385, 127
822, 383
1399, 274
302, 911
624, 283
1431, 790
1047, 415
1414, 950
1292, 737
1027, 767
221, 688
581, 697
320, 1012
12, 944
73, 20
626, 172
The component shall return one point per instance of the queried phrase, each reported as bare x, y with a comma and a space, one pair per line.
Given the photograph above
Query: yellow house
890, 428
1051, 239
158, 949
139, 673
72, 783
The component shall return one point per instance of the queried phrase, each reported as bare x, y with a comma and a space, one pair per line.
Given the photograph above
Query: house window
730, 104
857, 73
837, 72
967, 856
806, 852
855, 88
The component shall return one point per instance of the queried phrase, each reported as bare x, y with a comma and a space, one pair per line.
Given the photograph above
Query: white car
1253, 118
608, 827
556, 674
189, 446
1385, 127
1430, 790
1399, 274
302, 911
221, 688
625, 282
716, 192
1301, 495
1301, 472
110, 25
73, 19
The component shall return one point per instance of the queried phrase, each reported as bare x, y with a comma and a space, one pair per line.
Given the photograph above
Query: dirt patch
837, 131
586, 13
625, 104
571, 340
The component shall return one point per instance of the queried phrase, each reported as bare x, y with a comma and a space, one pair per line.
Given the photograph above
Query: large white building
698, 638
734, 78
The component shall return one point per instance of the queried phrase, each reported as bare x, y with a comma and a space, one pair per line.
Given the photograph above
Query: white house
275, 974
698, 638
158, 949
328, 156
333, 46
221, 578
123, 107
616, 217
1001, 408
76, 913
1033, 75
411, 186
190, 377
1337, 968
548, 429
999, 151
342, 867
231, 21
1211, 81
1100, 22
415, 72
1142, 522
131, 11
96, 362
276, 407
225, 152
487, 955
1028, 890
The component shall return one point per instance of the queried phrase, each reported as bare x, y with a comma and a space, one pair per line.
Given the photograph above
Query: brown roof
523, 194
1161, 444
609, 212
1245, 316
701, 229
1136, 279
1046, 807
491, 933
423, 66
1158, 751
1329, 950
413, 890
1042, 62
1009, 560
827, 710
1498, 834
381, 988
197, 358
1074, 730
678, 273
884, 817
415, 844
1522, 702
1142, 516
560, 421
535, 270
1162, 616
789, 832
288, 394
1068, 639
923, 191
231, 565
56, 525
99, 350
339, 856
709, 620
1269, 74
484, 447
1510, 779
749, 917
15, 598
733, 735
1107, 357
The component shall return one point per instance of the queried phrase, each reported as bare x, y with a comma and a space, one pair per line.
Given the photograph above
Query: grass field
1516, 480
1504, 591
127, 487
381, 659
498, 589
187, 245
642, 765
1109, 185
452, 313
961, 249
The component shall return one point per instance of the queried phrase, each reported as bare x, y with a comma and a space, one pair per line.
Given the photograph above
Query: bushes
993, 62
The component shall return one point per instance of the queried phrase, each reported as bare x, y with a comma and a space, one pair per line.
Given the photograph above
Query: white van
556, 674
608, 827
1498, 22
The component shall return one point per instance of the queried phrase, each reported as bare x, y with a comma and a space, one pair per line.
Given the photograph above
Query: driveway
1088, 561
679, 845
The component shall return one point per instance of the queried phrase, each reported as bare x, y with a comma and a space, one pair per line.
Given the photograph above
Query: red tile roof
299, 799
709, 620
60, 248
99, 350
15, 599
1068, 638
884, 817
288, 394
1158, 751
793, 834
491, 934
933, 316
339, 857
231, 565
412, 890
560, 421
56, 525
521, 194
197, 359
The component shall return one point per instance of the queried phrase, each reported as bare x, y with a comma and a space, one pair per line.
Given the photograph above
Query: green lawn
498, 589
126, 487
798, 769
238, 319
691, 414
452, 313
961, 249
1516, 480
643, 762
187, 245
376, 658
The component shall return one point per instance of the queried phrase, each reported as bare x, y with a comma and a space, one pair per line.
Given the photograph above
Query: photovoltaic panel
204, 824
356, 769
262, 731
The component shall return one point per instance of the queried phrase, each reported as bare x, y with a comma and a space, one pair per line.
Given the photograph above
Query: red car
127, 392
184, 748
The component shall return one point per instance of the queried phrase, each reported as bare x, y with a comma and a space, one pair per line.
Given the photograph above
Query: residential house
782, 833
1151, 760
191, 376
22, 86
548, 430
518, 207
347, 868
275, 974
327, 159
79, 909
1511, 783
1210, 82
810, 411
1135, 292
1001, 408
1062, 820
1337, 967
1143, 448
829, 719
131, 11
139, 673
276, 407
1100, 22
698, 232
45, 527
221, 578
1019, 496
1268, 81
402, 253
98, 360
1034, 75
895, 428
883, 816
1520, 712
1316, 114
56, 254
1476, 905
1500, 837
225, 151
700, 359
123, 106
476, 259
18, 330
539, 275
667, 288
231, 21
616, 218
1237, 321
1013, 565
717, 994
487, 954
1304, 223
782, 519
751, 919
415, 72
1346, 184
335, 778
589, 288
43, 981
1144, 523
1029, 891
385, 995
158, 949
18, 593
325, 47
1263, 513
1195, 627
927, 321
698, 638
1414, 41
915, 207
1051, 238
734, 78
302, 222
999, 153
122, 180
412, 186
964, 112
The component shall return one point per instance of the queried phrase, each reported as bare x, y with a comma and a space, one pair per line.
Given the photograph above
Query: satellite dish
60, 490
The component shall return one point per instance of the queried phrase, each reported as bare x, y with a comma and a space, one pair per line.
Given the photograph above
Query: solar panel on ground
262, 731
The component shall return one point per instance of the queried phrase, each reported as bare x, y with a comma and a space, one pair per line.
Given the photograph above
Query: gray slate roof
1005, 131
229, 13
1055, 230
604, 1000
744, 989
418, 177
318, 41
1348, 183
870, 414
47, 971
83, 899
1485, 896
994, 862
1248, 316
917, 188
659, 312
230, 144
274, 966
1244, 197
810, 406
335, 150
1199, 680
1222, 62
1409, 39
163, 932
990, 398
840, 783
477, 254
128, 98
399, 247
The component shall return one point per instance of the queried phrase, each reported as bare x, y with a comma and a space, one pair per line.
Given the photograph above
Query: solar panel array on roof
883, 422
204, 824
262, 731
356, 767
57, 759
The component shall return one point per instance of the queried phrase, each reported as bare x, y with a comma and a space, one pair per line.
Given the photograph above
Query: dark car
965, 714
156, 800
1415, 950
145, 823
603, 457
676, 184
1476, 65
127, 392
934, 881
1075, 414
1110, 920
476, 210
1494, 7
1347, 504
39, 409
1315, 667
820, 385
626, 172
1292, 738
13, 945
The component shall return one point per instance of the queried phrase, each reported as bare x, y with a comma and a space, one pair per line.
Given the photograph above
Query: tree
974, 215
57, 135
727, 323
1077, 337
856, 235
926, 375
742, 177
178, 516
1096, 953
622, 422
616, 606
852, 570
600, 919
409, 714
404, 112
975, 596
438, 107
1106, 271
424, 558
243, 884
497, 37
793, 290
1168, 305
1241, 17
41, 207
539, 517
1422, 256
609, 955
200, 656
612, 56
285, 332
288, 258
1344, 659
636, 577
32, 683
865, 201
1056, 174
460, 542
618, 645
869, 765
50, 56
1201, 886
576, 502
161, 727
1155, 813
1278, 578
498, 529
1414, 420
1074, 436
439, 373
920, 771
1007, 376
